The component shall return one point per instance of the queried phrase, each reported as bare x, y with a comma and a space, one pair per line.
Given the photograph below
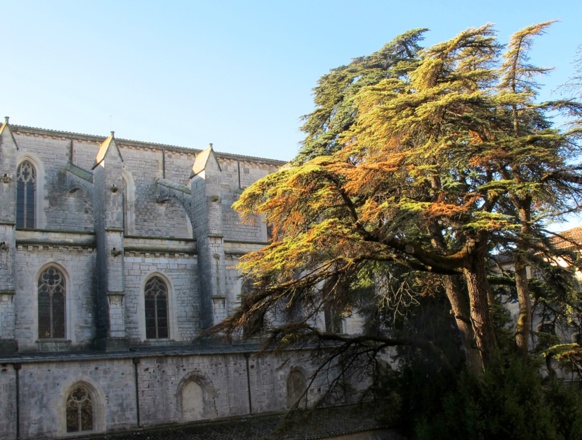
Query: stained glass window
51, 304
156, 308
25, 195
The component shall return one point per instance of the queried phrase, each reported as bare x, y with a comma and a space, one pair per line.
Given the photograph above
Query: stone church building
114, 254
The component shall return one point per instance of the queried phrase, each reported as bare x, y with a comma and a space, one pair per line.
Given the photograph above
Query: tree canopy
422, 162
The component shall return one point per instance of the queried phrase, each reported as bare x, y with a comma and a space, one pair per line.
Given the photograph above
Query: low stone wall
143, 389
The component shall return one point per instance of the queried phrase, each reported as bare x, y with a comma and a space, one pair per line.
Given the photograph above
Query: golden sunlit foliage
425, 160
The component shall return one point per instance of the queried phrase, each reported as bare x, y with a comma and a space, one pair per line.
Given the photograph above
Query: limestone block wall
8, 401
78, 219
179, 165
57, 207
253, 231
222, 379
78, 209
268, 381
354, 324
238, 174
233, 284
61, 209
78, 265
154, 219
45, 386
8, 162
232, 384
179, 271
7, 313
6, 257
128, 392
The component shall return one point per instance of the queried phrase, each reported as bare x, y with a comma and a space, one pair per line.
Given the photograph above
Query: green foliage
511, 400
336, 109
418, 167
568, 356
507, 402
415, 382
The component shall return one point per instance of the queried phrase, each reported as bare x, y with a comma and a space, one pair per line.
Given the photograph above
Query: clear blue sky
238, 74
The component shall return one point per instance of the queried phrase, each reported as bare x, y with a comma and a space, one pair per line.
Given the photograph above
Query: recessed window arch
156, 299
26, 178
192, 401
196, 398
296, 389
52, 291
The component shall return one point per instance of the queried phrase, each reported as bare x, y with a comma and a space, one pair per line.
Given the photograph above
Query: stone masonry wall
108, 243
179, 271
239, 175
49, 155
44, 388
7, 401
161, 381
154, 219
63, 210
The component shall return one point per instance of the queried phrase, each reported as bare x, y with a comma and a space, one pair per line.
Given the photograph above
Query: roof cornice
23, 129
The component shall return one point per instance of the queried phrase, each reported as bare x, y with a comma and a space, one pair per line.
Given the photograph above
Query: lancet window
51, 304
25, 195
156, 308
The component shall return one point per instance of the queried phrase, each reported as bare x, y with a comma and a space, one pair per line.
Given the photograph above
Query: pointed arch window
51, 304
25, 195
80, 413
156, 308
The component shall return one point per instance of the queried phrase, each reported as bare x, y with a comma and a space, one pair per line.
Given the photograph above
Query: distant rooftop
570, 239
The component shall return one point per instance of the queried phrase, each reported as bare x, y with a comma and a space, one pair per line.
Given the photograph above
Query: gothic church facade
114, 254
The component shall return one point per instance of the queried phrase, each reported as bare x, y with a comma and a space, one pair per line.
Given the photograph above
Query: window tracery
51, 304
79, 413
156, 308
25, 195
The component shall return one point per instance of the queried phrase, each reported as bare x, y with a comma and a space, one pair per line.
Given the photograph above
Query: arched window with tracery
80, 410
25, 195
51, 304
156, 308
